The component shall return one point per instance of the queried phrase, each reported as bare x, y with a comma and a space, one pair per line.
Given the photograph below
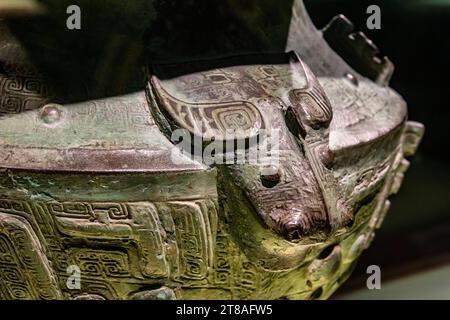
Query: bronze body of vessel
93, 184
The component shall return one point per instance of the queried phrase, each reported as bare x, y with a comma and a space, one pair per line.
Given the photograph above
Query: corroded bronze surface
94, 185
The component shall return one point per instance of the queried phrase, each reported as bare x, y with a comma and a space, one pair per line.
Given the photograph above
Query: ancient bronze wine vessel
93, 184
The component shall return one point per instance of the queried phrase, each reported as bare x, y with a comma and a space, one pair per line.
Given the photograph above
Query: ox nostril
270, 176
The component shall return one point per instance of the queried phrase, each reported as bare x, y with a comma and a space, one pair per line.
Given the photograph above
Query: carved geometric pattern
194, 239
98, 263
21, 89
24, 270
